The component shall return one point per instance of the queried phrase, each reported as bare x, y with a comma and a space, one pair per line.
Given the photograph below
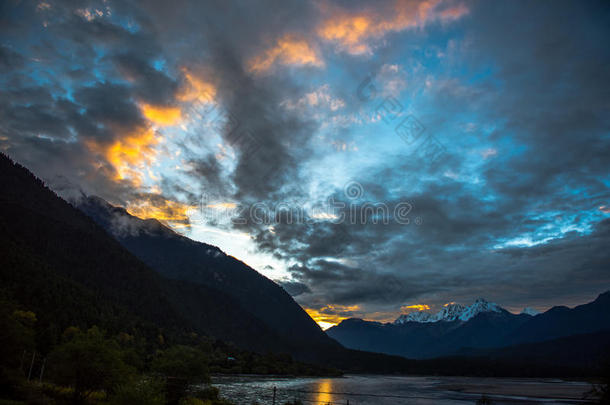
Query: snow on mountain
450, 312
530, 311
417, 316
480, 305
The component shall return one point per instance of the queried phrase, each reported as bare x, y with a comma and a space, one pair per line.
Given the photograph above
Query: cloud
331, 315
355, 31
295, 288
414, 308
319, 98
156, 106
128, 156
157, 207
163, 116
289, 50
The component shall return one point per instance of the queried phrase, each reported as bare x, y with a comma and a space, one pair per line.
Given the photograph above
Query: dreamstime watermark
349, 208
408, 128
226, 124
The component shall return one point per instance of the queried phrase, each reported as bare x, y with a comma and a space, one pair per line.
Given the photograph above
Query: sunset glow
423, 152
162, 116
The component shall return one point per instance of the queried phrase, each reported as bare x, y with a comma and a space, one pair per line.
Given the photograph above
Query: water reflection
390, 390
323, 388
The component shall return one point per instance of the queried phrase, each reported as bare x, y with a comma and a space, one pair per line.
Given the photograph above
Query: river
391, 390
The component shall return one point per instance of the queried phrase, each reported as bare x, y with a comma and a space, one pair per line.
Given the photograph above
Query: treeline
93, 366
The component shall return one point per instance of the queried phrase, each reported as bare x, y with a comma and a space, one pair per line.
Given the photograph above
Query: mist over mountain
60, 263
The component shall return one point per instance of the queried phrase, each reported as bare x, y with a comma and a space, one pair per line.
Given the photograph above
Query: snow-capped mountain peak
480, 305
417, 316
450, 312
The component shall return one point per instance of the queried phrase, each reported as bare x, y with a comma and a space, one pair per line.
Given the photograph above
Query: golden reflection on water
324, 386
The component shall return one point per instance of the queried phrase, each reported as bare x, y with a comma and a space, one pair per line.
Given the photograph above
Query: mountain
59, 263
530, 311
482, 325
562, 321
450, 312
179, 258
581, 350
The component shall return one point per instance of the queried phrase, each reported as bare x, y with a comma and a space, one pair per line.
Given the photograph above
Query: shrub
145, 391
88, 362
182, 362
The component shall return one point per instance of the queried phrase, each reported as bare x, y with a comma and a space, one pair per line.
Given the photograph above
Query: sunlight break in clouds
414, 308
161, 116
331, 315
130, 155
196, 89
173, 213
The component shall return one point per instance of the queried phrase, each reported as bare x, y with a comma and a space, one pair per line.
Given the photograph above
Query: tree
16, 337
145, 391
182, 362
88, 362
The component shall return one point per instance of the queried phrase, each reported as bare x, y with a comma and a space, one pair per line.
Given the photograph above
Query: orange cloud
289, 50
162, 116
331, 315
196, 89
349, 31
416, 307
222, 206
130, 155
353, 31
173, 213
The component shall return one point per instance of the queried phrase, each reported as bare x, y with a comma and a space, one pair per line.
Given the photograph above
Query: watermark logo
405, 125
349, 208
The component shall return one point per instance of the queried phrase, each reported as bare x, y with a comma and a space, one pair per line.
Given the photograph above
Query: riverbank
392, 390
543, 389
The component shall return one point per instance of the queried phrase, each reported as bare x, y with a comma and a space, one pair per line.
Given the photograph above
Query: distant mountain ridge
483, 325
450, 312
530, 311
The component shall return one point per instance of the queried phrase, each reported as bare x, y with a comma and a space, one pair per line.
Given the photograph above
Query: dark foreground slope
179, 258
58, 262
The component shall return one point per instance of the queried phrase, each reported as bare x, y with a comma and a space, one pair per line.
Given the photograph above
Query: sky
374, 158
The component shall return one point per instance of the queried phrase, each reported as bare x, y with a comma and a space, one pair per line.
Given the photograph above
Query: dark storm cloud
151, 85
81, 81
45, 117
9, 59
560, 107
294, 288
82, 77
110, 105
